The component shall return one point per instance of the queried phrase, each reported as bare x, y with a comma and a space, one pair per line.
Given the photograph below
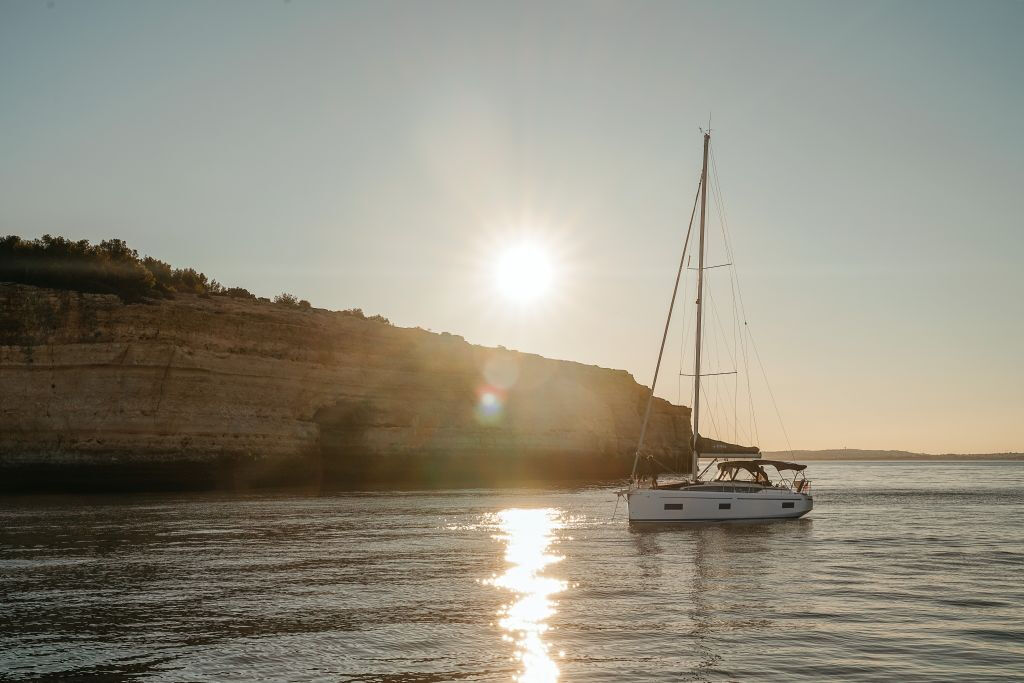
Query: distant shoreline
851, 454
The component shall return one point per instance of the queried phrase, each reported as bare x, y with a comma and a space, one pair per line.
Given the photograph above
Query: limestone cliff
218, 391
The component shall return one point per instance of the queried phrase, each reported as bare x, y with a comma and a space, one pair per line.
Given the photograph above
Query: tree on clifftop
109, 267
112, 267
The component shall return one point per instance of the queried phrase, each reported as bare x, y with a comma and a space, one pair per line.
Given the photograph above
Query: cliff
213, 392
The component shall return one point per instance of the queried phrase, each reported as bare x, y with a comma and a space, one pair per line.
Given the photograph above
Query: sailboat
742, 489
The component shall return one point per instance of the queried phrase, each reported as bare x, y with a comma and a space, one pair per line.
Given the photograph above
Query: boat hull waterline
668, 505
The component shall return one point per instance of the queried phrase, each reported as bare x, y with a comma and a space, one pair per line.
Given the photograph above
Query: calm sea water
904, 571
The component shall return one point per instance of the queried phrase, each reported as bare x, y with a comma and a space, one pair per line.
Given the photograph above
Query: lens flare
490, 404
527, 535
501, 371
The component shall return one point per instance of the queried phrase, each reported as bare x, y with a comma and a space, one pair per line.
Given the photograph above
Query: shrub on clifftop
110, 267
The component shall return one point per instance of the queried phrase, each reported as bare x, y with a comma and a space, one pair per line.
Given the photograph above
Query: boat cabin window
673, 506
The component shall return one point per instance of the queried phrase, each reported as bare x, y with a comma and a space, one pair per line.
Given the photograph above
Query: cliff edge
204, 392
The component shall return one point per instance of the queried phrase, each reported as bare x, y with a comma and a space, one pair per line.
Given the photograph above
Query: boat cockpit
733, 471
747, 476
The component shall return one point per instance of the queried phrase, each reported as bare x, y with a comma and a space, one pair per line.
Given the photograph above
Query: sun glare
528, 535
523, 273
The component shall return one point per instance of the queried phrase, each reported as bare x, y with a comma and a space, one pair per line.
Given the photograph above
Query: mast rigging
668, 319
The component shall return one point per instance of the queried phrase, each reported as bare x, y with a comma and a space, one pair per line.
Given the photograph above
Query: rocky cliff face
218, 391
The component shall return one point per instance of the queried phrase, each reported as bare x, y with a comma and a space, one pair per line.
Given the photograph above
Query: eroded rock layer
95, 393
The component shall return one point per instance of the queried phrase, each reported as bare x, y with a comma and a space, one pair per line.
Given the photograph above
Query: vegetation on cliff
112, 267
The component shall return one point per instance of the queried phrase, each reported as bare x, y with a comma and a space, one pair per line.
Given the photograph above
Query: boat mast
700, 308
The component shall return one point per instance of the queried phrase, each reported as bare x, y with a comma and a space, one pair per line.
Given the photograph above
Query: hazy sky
382, 155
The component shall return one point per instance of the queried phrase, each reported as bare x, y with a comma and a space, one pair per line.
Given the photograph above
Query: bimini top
753, 466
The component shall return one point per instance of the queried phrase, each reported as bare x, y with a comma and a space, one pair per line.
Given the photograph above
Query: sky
386, 155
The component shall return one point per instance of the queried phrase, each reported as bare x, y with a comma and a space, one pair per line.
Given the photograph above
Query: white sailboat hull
689, 505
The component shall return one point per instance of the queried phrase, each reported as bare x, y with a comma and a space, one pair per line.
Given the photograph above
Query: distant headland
861, 454
123, 372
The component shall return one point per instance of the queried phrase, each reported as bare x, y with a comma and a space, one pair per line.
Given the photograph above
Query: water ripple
903, 572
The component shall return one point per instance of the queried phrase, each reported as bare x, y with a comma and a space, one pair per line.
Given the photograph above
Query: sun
523, 272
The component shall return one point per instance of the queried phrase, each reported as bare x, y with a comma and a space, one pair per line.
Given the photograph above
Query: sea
904, 571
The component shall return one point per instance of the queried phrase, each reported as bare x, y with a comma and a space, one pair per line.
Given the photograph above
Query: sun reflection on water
527, 535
